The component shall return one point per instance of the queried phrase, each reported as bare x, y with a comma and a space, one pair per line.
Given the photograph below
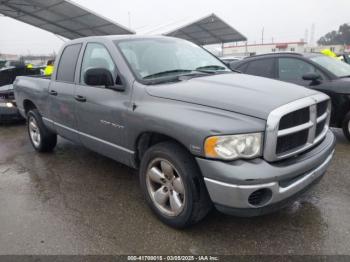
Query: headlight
233, 147
9, 105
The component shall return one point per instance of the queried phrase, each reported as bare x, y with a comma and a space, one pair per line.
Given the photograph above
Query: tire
184, 187
41, 138
346, 126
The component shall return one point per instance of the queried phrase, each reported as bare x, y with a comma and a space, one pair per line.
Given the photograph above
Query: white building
338, 49
300, 47
257, 49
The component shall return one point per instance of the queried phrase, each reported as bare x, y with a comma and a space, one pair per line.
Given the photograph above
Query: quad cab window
67, 64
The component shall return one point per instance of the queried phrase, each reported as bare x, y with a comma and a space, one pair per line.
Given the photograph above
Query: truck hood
244, 94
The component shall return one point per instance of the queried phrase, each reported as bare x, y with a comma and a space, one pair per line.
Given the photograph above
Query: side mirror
102, 77
312, 77
232, 66
98, 77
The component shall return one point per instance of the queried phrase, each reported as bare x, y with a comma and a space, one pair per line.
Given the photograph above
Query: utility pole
262, 35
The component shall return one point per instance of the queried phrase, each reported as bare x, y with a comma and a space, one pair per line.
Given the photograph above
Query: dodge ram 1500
200, 134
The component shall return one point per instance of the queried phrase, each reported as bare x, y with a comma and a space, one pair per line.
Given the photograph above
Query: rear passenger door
265, 67
61, 90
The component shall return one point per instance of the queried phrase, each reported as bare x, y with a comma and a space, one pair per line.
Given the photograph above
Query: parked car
199, 133
227, 60
8, 74
8, 109
312, 70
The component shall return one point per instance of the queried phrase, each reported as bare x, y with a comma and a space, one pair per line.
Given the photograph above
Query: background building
257, 49
300, 47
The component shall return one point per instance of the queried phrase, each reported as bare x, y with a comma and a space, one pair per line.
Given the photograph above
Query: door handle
53, 93
80, 99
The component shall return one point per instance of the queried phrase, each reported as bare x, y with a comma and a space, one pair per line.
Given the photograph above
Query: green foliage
340, 37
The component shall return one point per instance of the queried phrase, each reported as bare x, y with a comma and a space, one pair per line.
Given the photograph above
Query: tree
340, 37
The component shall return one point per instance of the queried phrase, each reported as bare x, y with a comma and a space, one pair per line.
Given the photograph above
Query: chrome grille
296, 127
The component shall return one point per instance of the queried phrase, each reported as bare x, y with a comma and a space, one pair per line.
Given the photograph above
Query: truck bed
33, 88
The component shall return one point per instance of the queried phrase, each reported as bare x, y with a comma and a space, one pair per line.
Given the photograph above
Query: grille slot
292, 141
296, 118
322, 108
320, 127
296, 127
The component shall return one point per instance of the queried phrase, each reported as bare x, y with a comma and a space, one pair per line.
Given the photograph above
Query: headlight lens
6, 104
233, 147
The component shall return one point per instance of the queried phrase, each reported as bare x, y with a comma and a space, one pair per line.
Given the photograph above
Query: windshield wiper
164, 73
164, 77
211, 67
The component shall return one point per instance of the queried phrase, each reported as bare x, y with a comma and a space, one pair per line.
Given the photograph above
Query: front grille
296, 127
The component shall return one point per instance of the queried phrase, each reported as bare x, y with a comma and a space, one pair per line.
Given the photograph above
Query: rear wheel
41, 138
346, 126
173, 186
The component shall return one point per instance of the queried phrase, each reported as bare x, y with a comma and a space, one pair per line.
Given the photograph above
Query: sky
282, 20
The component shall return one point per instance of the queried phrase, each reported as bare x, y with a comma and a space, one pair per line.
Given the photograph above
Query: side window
262, 67
96, 56
68, 63
294, 69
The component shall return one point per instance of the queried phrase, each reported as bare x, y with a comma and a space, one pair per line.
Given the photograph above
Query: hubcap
34, 132
165, 186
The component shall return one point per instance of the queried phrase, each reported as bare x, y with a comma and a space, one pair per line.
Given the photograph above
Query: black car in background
311, 70
8, 74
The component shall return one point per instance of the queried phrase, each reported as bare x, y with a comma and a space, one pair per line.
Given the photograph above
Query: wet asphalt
74, 201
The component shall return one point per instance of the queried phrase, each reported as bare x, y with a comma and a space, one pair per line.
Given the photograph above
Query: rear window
261, 67
67, 64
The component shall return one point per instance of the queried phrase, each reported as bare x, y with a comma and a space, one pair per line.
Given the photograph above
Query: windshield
338, 68
157, 58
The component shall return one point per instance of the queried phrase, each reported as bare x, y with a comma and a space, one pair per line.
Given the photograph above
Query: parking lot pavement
74, 201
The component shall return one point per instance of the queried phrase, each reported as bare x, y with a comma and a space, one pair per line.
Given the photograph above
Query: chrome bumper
236, 196
256, 187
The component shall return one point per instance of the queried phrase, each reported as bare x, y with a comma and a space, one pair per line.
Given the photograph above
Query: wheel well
28, 105
149, 139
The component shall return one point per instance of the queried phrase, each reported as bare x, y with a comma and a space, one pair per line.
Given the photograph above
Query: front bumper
249, 188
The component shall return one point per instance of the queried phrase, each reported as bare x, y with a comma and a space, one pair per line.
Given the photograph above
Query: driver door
100, 111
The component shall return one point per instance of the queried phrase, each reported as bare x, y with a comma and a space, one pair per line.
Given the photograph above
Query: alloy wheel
34, 132
165, 187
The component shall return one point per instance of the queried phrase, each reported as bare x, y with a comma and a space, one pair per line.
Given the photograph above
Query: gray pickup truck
200, 134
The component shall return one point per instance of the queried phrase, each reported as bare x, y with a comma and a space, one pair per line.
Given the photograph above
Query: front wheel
346, 126
42, 139
173, 186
